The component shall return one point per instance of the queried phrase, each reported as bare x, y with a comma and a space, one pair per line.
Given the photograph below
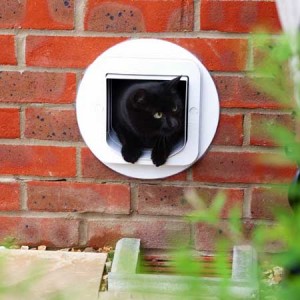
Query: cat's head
158, 106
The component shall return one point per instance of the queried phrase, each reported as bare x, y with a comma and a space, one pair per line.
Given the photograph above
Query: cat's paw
131, 154
158, 158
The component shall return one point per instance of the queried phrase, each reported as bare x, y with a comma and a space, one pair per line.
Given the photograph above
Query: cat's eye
158, 115
174, 109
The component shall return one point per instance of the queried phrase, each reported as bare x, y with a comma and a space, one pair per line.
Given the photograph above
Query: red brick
41, 87
269, 246
37, 160
9, 196
7, 50
239, 15
78, 52
31, 231
66, 51
243, 167
217, 54
9, 123
79, 197
170, 200
267, 200
230, 130
264, 54
51, 124
154, 233
182, 176
240, 92
262, 124
137, 16
42, 14
92, 167
206, 236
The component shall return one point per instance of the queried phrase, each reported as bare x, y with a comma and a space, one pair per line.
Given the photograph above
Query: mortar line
79, 13
11, 105
23, 196
40, 214
79, 70
78, 163
189, 174
86, 33
83, 232
247, 202
22, 121
247, 129
250, 111
249, 149
250, 52
8, 179
99, 217
23, 69
85, 217
20, 48
53, 106
34, 142
197, 17
131, 217
82, 69
183, 184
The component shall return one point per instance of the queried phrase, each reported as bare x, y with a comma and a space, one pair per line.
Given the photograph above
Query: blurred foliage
8, 242
277, 242
271, 67
279, 271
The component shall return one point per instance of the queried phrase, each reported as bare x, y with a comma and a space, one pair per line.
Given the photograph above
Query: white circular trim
89, 102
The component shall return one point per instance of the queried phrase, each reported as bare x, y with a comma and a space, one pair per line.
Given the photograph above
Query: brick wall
53, 190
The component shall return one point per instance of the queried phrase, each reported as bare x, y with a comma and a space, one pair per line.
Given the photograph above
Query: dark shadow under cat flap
147, 116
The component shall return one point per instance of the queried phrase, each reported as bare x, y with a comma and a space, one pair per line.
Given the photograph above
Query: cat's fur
149, 115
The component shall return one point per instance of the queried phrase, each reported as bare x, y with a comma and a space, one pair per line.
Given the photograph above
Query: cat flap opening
116, 83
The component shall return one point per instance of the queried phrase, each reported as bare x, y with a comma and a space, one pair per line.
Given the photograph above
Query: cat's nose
172, 123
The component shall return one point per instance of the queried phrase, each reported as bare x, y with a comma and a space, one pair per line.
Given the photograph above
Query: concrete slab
44, 275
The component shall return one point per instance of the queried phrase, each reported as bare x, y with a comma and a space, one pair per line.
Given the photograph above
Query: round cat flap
147, 108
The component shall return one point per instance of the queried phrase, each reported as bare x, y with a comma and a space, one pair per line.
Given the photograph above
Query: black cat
149, 114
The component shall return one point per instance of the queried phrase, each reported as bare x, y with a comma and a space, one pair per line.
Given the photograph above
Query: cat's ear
139, 97
172, 84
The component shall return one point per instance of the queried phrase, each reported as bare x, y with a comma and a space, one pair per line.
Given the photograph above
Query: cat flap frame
111, 136
150, 58
147, 68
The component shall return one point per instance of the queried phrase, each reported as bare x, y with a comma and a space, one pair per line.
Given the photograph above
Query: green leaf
218, 204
